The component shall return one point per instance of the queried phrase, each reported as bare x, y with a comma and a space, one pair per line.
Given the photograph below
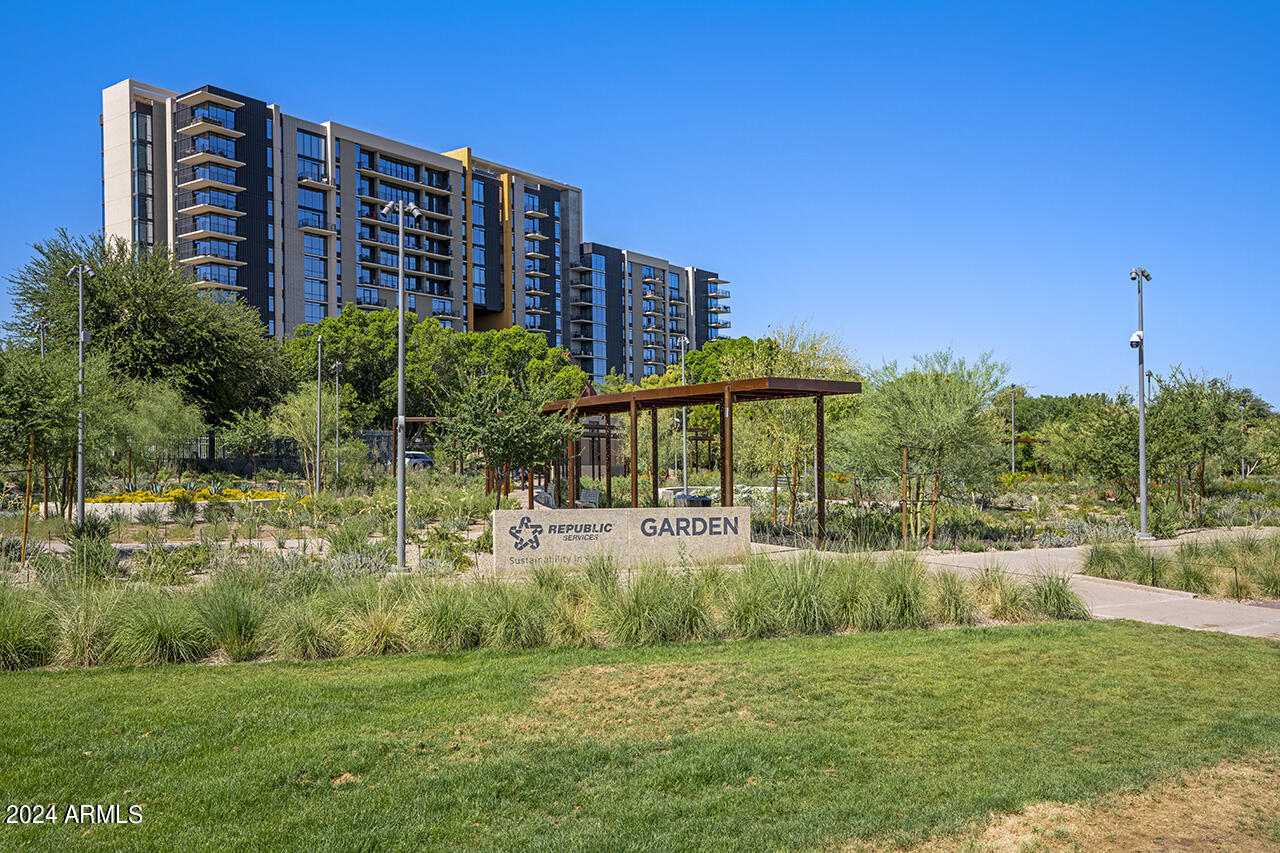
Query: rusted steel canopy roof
741, 390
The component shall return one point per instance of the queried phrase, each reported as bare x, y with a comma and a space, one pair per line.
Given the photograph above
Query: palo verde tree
144, 316
942, 411
1194, 425
779, 435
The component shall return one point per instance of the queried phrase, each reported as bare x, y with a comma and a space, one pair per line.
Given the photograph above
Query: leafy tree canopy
143, 315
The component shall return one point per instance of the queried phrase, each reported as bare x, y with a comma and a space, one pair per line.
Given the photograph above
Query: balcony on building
316, 179
652, 279
537, 255
715, 307
655, 311
195, 184
536, 213
199, 124
535, 235
538, 288
314, 223
204, 96
193, 156
719, 323
582, 265
208, 234
718, 292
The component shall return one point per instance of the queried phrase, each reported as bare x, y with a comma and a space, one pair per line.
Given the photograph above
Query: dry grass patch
1233, 806
642, 701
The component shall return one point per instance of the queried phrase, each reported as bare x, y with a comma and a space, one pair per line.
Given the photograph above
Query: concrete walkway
1109, 599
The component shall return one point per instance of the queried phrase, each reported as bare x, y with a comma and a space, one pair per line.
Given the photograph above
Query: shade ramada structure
723, 394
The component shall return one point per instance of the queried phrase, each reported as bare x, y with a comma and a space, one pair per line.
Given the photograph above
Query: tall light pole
42, 327
319, 398
684, 414
80, 272
1149, 376
1140, 275
337, 438
401, 209
1013, 433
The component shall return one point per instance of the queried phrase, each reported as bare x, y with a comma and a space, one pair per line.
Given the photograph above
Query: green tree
501, 421
248, 434
942, 410
1193, 427
1108, 442
294, 419
143, 314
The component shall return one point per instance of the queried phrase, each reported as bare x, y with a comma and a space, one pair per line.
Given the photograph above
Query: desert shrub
159, 628
26, 629
1269, 582
183, 510
305, 629
953, 602
93, 527
1103, 561
233, 616
85, 618
216, 510
171, 567
903, 593
1053, 598
149, 516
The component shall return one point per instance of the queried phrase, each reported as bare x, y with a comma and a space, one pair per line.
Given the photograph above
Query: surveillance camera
388, 208
1133, 275
1135, 340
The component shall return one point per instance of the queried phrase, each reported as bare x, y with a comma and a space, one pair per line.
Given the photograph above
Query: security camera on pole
1140, 275
401, 209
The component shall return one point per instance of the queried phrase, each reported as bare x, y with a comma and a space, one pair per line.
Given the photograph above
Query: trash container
693, 500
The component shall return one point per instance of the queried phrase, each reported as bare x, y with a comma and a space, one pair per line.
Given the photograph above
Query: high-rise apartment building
286, 215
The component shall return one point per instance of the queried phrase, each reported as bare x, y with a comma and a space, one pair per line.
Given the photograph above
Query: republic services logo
525, 534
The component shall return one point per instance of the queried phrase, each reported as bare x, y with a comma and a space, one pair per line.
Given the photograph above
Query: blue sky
909, 176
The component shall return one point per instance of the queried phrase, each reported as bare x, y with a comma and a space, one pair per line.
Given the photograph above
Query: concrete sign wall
571, 537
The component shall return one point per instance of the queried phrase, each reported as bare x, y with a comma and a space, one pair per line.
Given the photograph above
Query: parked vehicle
416, 460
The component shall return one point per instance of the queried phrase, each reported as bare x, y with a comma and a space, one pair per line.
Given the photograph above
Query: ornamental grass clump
903, 593
953, 602
445, 617
658, 606
157, 628
26, 628
802, 599
85, 618
373, 623
750, 612
1053, 598
305, 629
513, 615
233, 615
1004, 598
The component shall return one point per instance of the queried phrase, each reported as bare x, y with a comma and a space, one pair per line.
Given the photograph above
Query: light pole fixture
319, 397
1149, 377
684, 414
337, 438
80, 272
1136, 341
41, 328
1013, 432
401, 209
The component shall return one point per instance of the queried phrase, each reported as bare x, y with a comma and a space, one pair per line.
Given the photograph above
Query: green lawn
777, 744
